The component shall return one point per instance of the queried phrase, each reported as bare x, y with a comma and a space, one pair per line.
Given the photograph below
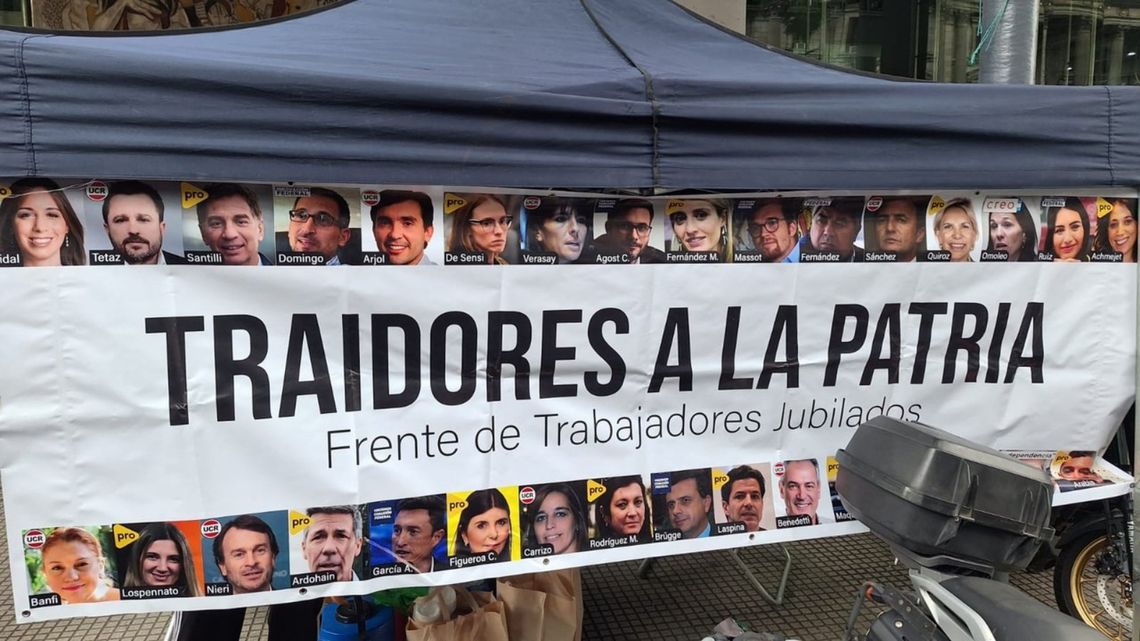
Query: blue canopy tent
634, 94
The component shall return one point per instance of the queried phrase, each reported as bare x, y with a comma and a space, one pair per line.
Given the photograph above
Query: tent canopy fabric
607, 94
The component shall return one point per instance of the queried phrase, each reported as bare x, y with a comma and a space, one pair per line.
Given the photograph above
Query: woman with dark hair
1068, 232
38, 222
1014, 233
485, 525
161, 558
700, 225
74, 567
621, 511
556, 518
481, 226
558, 227
1117, 231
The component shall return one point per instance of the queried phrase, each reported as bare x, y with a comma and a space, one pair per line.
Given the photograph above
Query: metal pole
1135, 488
1011, 54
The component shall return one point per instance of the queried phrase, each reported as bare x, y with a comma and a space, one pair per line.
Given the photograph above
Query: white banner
605, 372
198, 437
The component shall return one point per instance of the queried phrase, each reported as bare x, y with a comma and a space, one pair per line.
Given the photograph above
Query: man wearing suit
133, 218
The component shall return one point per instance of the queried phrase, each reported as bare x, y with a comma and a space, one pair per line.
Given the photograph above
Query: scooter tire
1100, 600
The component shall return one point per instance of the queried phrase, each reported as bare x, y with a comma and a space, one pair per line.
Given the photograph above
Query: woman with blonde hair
700, 225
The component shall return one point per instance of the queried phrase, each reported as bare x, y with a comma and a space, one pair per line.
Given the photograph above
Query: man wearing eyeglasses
627, 231
318, 225
775, 231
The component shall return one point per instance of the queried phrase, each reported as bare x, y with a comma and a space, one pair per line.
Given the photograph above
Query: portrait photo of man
134, 219
318, 224
688, 503
332, 541
628, 227
231, 223
742, 497
834, 228
417, 530
403, 223
800, 489
774, 228
1079, 465
245, 552
897, 226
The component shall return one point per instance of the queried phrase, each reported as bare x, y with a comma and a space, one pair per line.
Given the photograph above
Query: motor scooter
959, 516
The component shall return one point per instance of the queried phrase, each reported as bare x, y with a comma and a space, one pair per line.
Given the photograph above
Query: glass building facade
1079, 42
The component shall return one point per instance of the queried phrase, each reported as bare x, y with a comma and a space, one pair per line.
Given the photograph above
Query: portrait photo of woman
73, 566
557, 518
623, 509
1067, 232
481, 225
700, 225
956, 229
38, 222
1117, 230
563, 227
485, 525
161, 558
1014, 233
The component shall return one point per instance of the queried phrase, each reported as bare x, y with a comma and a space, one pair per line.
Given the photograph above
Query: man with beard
775, 231
333, 540
834, 227
799, 487
133, 215
402, 223
688, 502
742, 497
627, 231
898, 228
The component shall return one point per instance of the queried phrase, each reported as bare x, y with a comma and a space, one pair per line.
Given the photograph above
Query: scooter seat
1013, 615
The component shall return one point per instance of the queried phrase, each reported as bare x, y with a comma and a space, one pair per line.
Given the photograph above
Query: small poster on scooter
1077, 469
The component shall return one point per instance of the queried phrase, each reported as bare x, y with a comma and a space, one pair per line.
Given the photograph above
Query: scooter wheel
1094, 586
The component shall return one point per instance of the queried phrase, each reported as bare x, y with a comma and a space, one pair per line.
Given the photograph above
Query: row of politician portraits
129, 222
294, 548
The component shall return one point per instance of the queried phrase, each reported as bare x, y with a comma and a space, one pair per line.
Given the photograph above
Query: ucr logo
34, 539
370, 197
778, 469
874, 202
532, 202
526, 495
211, 528
97, 190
